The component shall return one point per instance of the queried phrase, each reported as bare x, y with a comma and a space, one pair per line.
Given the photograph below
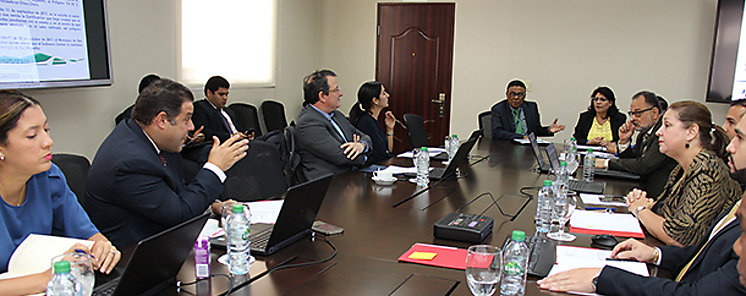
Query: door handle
440, 100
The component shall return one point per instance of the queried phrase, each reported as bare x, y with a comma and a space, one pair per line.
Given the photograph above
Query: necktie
225, 121
163, 159
731, 215
517, 121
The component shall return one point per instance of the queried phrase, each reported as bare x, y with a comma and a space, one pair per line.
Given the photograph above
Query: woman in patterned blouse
699, 188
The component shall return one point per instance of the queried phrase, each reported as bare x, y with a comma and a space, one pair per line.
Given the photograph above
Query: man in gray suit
327, 142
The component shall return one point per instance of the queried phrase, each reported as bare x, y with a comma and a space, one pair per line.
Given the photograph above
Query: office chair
416, 130
485, 123
75, 168
273, 113
247, 118
257, 176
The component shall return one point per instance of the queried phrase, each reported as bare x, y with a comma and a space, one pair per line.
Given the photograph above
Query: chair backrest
257, 176
75, 168
273, 113
293, 159
485, 123
416, 130
247, 117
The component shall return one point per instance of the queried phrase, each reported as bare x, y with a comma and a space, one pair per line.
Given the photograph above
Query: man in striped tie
711, 267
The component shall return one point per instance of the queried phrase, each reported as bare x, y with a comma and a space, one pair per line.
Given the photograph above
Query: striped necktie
517, 121
725, 221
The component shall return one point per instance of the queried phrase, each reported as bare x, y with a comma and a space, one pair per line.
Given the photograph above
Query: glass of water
483, 263
564, 206
81, 268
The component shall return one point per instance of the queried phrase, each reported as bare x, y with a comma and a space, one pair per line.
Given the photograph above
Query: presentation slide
739, 79
42, 40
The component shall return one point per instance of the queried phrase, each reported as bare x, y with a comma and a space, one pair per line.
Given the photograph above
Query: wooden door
414, 56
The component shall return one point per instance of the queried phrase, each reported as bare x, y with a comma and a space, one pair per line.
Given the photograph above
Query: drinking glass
483, 263
81, 268
226, 211
563, 208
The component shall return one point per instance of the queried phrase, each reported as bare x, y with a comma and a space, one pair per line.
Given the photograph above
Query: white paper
211, 229
584, 148
265, 212
432, 151
595, 199
397, 170
605, 155
527, 141
35, 253
570, 257
609, 222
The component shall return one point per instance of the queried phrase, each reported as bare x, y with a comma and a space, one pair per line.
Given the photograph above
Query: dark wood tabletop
376, 233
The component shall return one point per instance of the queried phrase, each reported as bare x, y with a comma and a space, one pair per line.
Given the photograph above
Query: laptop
299, 210
156, 260
554, 160
443, 156
544, 167
554, 164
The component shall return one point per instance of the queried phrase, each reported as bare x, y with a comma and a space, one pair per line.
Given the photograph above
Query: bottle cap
563, 163
238, 208
572, 139
547, 182
423, 148
590, 150
454, 136
62, 266
518, 235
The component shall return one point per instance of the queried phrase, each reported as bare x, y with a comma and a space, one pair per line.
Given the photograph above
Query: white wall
565, 48
143, 36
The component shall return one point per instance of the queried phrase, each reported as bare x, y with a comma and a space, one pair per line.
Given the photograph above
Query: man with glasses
642, 157
515, 118
326, 141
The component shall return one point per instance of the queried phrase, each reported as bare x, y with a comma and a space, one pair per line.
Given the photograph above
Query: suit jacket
318, 144
132, 195
712, 273
371, 127
585, 121
646, 160
209, 117
503, 126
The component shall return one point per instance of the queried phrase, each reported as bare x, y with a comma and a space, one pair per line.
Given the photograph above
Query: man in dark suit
642, 158
211, 115
711, 267
327, 142
515, 118
135, 184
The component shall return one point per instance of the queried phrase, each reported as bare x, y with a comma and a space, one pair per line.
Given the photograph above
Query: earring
2, 157
686, 145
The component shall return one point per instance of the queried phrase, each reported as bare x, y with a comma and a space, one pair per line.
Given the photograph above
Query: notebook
150, 268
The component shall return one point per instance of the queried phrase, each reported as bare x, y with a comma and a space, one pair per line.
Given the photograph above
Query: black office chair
247, 117
485, 123
257, 176
416, 130
273, 113
75, 168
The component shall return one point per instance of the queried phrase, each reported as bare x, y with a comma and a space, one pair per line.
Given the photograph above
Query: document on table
599, 154
570, 257
36, 251
527, 141
595, 199
398, 170
266, 211
589, 222
432, 151
584, 148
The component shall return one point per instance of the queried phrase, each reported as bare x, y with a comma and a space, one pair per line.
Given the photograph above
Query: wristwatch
637, 210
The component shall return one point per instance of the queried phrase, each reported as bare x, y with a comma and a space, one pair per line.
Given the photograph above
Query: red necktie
163, 159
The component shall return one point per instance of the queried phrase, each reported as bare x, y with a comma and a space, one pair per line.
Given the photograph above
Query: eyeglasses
336, 89
638, 113
602, 99
519, 95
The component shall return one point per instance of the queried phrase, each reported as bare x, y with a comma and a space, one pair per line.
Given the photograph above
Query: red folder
448, 257
601, 231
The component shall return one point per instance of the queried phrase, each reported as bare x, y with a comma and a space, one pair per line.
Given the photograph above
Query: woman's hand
105, 256
634, 195
389, 120
595, 141
577, 280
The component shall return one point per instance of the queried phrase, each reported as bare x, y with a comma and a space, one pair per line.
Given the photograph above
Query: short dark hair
650, 98
12, 105
216, 82
314, 83
145, 81
662, 102
515, 83
741, 102
162, 95
609, 94
365, 95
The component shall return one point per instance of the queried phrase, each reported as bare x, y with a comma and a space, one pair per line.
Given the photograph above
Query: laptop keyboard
542, 252
107, 289
260, 240
583, 186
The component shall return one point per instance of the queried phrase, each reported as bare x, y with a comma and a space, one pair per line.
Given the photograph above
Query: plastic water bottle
63, 283
544, 208
238, 241
422, 163
452, 147
515, 263
563, 177
589, 166
571, 155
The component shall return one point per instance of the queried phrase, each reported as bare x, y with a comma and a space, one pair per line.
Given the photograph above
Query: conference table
376, 232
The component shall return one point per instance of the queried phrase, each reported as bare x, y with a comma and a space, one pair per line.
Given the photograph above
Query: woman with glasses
372, 98
599, 125
34, 197
699, 188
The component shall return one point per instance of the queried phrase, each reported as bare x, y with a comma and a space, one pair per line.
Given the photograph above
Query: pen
602, 209
83, 252
620, 260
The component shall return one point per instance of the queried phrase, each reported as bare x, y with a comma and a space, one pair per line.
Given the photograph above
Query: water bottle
447, 146
563, 177
452, 147
589, 166
238, 240
571, 155
63, 283
422, 163
544, 208
515, 263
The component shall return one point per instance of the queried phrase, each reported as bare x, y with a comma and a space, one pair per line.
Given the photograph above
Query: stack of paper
441, 256
432, 151
595, 199
527, 141
588, 222
569, 257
